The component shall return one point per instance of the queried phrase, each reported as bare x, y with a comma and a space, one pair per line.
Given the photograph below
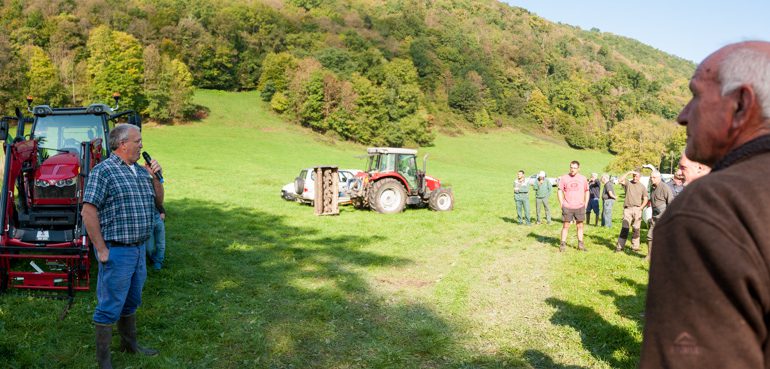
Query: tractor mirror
4, 129
135, 119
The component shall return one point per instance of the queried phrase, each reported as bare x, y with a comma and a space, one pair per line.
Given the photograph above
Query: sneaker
618, 248
563, 247
581, 247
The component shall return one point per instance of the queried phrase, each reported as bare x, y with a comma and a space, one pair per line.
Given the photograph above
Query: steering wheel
71, 145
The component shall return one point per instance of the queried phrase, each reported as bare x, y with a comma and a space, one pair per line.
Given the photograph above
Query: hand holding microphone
148, 160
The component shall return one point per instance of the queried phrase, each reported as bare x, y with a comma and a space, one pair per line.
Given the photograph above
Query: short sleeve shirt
608, 187
125, 200
574, 189
634, 194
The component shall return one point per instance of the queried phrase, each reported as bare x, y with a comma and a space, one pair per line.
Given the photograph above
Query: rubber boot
103, 341
127, 330
588, 218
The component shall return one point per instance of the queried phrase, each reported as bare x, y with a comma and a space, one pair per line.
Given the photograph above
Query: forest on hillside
379, 72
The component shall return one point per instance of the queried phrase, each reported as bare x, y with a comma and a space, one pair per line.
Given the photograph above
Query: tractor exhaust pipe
424, 173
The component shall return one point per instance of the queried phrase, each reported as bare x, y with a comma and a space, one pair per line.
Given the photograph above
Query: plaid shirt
126, 202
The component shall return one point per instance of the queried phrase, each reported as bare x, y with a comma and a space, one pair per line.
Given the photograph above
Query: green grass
253, 281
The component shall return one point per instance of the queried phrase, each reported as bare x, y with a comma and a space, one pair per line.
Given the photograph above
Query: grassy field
253, 281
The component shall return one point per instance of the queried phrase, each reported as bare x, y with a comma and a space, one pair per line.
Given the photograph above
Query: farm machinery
392, 181
43, 242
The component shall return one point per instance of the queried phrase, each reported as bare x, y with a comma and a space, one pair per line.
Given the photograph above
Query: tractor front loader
43, 242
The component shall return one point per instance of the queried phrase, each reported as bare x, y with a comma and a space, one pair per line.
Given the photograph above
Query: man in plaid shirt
118, 210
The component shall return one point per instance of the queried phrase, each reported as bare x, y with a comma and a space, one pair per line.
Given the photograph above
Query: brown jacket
708, 302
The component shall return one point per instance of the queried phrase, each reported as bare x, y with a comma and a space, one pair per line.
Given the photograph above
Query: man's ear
745, 105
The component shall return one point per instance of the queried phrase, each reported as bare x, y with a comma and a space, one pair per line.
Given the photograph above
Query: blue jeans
607, 213
593, 206
156, 244
119, 284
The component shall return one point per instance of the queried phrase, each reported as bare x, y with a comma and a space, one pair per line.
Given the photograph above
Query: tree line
377, 72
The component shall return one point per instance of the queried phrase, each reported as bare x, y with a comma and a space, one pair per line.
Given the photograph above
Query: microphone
148, 159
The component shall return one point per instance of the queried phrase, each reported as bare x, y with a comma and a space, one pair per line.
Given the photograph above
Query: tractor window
66, 132
407, 167
388, 163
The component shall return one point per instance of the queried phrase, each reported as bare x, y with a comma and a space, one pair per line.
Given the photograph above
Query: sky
686, 28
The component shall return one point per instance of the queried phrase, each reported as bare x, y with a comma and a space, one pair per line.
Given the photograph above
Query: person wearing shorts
573, 197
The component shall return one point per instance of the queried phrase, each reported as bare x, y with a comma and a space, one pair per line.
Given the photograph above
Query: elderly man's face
708, 114
655, 178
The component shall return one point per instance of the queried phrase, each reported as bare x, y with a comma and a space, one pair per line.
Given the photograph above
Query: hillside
389, 72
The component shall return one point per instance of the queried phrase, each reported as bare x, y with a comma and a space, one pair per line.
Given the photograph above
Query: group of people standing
579, 197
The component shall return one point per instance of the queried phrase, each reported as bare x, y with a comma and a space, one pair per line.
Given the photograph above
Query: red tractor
392, 181
43, 243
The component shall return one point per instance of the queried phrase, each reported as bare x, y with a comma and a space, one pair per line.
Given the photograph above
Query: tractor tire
442, 200
387, 196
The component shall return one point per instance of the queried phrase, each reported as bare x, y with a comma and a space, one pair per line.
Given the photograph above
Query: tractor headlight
40, 183
65, 182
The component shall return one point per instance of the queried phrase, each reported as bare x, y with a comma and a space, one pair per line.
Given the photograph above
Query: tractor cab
46, 168
402, 162
392, 181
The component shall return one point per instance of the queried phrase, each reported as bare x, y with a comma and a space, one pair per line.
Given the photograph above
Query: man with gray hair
708, 299
542, 189
608, 199
118, 212
660, 197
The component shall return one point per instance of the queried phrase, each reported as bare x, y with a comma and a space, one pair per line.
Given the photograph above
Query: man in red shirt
573, 197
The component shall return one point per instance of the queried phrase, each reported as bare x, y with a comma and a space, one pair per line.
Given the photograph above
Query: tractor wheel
387, 196
442, 200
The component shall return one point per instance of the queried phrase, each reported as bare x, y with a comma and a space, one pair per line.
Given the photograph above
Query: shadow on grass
246, 289
539, 359
630, 306
606, 342
509, 220
546, 240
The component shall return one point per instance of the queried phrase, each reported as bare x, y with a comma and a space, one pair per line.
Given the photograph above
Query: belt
123, 244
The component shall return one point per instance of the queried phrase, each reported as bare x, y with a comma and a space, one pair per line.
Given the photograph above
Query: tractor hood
58, 167
432, 183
